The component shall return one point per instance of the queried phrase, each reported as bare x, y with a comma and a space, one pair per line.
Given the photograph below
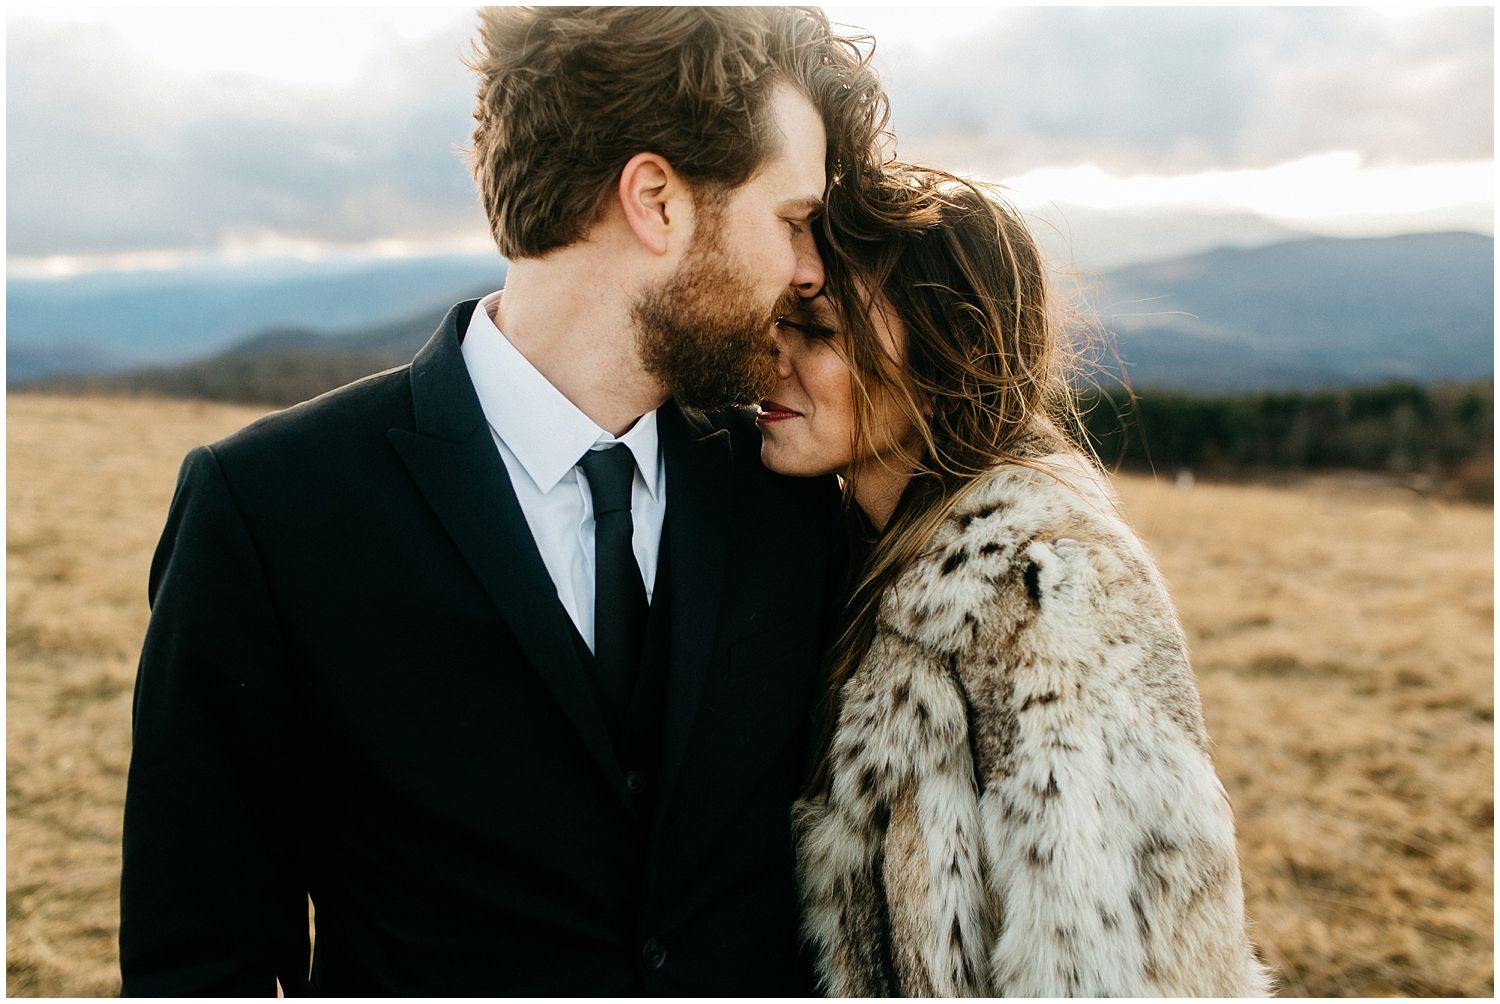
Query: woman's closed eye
804, 324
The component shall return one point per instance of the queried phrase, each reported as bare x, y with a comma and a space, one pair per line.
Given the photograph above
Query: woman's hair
984, 379
567, 95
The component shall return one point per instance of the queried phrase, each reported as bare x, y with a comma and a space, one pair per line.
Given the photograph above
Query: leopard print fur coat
1021, 798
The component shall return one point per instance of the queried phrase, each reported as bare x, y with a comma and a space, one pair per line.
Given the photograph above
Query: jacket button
654, 955
634, 783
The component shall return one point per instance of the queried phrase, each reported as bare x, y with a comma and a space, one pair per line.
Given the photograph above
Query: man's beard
703, 334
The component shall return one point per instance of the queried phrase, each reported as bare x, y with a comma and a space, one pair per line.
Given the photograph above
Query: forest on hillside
1439, 438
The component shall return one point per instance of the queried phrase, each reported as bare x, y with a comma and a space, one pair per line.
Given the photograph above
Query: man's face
707, 332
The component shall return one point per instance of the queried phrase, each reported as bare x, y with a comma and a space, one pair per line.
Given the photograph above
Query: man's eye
797, 227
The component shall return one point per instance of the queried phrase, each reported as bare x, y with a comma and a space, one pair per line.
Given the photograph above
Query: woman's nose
783, 353
807, 280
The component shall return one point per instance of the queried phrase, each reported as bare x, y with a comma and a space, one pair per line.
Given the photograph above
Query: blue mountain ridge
1306, 313
116, 322
1318, 312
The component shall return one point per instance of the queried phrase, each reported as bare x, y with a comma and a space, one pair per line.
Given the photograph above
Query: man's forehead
796, 168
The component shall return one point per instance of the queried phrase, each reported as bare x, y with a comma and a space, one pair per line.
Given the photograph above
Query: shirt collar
642, 442
546, 432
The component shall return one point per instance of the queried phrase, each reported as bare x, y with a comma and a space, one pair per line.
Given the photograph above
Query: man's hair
567, 95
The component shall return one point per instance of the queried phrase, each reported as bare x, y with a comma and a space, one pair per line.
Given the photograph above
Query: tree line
1440, 435
1443, 433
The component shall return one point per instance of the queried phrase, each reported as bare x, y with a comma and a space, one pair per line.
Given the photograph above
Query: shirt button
634, 783
654, 954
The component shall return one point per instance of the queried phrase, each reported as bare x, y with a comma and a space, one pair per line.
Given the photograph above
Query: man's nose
807, 279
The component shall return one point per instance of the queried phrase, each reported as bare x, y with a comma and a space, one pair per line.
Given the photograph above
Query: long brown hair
984, 380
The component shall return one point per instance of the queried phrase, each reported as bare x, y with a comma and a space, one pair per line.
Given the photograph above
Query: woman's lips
772, 411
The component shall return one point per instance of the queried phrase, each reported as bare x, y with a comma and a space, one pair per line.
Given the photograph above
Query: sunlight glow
329, 45
243, 249
301, 45
1320, 188
327, 48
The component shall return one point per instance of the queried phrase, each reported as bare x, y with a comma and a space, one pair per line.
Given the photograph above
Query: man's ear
653, 198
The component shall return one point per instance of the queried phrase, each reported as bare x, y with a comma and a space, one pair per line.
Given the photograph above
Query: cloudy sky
160, 136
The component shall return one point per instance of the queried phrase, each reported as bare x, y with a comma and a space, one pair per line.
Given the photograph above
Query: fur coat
1021, 798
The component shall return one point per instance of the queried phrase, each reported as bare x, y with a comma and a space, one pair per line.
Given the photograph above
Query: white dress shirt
541, 435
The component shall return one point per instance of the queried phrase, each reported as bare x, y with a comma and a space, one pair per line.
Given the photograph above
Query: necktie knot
610, 472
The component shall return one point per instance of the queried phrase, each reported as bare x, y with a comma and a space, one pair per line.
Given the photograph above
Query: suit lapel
699, 499
453, 460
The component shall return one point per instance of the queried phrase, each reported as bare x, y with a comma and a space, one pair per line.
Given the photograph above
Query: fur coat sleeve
1021, 799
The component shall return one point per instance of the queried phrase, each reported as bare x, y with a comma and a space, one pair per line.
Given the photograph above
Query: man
521, 720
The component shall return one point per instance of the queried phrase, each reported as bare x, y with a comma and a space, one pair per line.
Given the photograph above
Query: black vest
637, 738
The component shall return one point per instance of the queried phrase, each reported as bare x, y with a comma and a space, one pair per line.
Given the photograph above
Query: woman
1014, 793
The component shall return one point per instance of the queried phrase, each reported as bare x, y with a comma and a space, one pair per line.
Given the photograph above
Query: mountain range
113, 322
1306, 313
1318, 312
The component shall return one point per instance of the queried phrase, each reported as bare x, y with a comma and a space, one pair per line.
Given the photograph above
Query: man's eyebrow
804, 208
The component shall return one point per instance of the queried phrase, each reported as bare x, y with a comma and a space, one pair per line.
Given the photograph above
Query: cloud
1179, 90
109, 151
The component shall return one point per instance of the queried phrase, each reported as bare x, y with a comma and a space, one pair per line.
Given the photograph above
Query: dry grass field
1342, 635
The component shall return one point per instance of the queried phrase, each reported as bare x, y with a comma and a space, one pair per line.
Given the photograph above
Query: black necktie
619, 596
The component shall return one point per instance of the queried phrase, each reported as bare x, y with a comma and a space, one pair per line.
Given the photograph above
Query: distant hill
277, 366
1303, 314
110, 323
113, 322
1320, 312
1081, 238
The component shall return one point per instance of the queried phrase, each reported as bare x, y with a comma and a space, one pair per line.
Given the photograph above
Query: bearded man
504, 657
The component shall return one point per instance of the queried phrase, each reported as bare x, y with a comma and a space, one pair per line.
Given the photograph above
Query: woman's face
807, 425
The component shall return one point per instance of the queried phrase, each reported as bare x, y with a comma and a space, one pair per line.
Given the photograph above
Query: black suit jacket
358, 683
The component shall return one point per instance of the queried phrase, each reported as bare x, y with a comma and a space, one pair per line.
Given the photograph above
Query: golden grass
88, 483
1343, 641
